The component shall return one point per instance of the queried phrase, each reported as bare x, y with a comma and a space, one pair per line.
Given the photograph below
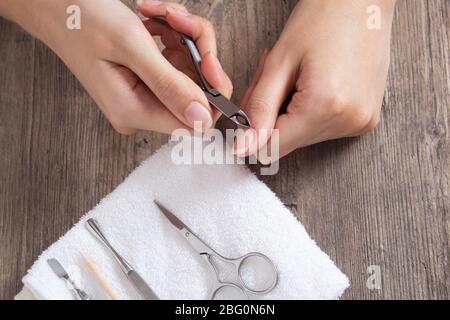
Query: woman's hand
336, 69
116, 59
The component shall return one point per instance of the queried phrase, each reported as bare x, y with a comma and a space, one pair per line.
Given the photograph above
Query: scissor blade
171, 217
190, 237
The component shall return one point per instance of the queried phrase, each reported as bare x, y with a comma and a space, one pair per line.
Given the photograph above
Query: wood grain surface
382, 199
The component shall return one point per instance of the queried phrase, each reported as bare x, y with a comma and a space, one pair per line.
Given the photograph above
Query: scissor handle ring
223, 285
267, 259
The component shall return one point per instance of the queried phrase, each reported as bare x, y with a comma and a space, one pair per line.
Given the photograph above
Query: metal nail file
61, 273
140, 285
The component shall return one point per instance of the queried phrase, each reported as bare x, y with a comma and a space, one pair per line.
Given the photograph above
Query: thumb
263, 104
177, 92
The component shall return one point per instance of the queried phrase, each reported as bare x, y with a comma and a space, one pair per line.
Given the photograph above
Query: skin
114, 56
336, 69
334, 66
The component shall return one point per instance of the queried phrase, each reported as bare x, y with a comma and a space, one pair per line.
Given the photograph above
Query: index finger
179, 18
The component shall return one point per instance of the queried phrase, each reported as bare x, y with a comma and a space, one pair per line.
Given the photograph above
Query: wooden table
382, 199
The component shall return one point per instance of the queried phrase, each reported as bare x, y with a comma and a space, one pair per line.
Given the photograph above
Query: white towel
225, 205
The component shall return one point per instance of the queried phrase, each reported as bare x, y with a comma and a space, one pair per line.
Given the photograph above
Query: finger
130, 105
293, 131
290, 129
199, 29
211, 69
179, 18
244, 139
174, 89
265, 101
305, 122
201, 32
256, 77
153, 115
169, 37
372, 124
155, 28
216, 77
151, 8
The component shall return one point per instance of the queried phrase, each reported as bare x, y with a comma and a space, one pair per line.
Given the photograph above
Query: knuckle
176, 6
128, 35
258, 105
180, 6
206, 25
203, 28
166, 88
373, 122
336, 105
361, 120
358, 117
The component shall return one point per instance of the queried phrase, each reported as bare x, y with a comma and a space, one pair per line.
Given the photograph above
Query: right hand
114, 56
329, 67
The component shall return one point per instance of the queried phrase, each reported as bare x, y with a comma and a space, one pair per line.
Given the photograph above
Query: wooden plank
382, 199
16, 98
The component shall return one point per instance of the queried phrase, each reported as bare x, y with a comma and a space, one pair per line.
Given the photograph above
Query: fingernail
148, 2
197, 112
243, 141
178, 11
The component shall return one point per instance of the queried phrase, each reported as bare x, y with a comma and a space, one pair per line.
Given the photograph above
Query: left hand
336, 67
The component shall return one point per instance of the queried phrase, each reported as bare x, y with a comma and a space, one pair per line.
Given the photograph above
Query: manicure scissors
225, 106
252, 273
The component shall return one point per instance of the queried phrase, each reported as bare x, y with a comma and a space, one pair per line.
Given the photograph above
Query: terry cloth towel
225, 205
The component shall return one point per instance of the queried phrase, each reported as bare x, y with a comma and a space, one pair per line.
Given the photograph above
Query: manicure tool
61, 273
99, 277
252, 273
140, 285
225, 106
